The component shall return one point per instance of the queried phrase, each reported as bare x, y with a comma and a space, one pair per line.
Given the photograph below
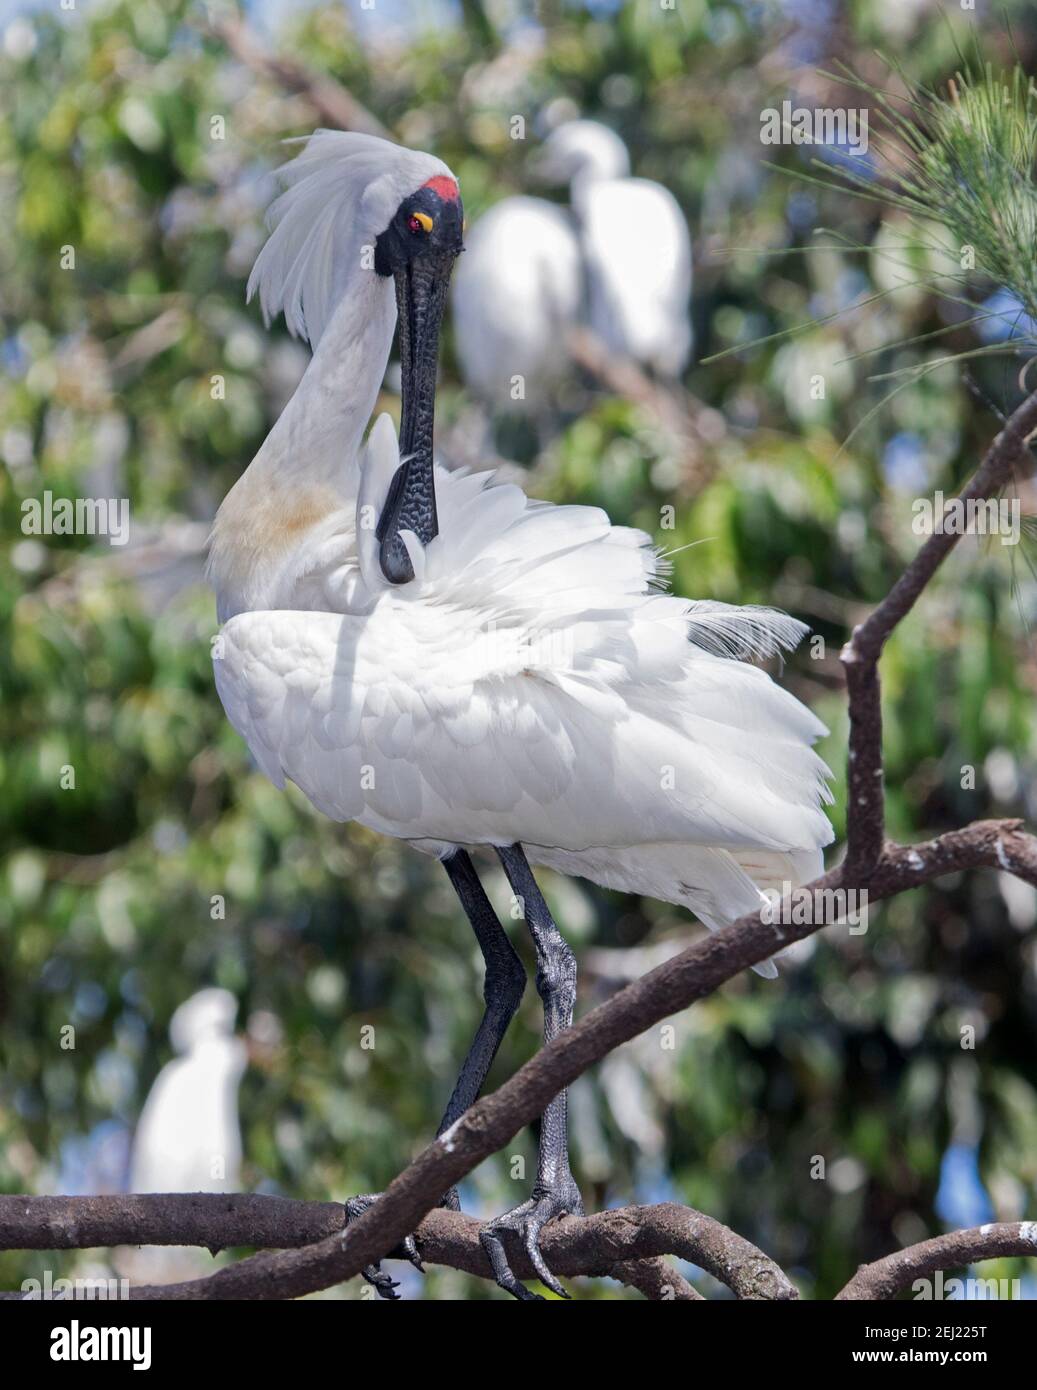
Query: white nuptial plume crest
338, 195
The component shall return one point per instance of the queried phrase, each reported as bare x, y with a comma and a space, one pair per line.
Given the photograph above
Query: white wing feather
529, 687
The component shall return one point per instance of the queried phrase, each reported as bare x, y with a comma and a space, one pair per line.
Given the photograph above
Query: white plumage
533, 682
188, 1138
334, 188
622, 262
517, 292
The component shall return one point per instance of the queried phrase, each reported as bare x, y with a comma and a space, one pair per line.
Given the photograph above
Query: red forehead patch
445, 188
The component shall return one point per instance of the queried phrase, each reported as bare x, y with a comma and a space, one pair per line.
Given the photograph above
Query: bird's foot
383, 1284
526, 1222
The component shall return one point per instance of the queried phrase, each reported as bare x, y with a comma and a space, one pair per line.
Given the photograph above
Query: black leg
554, 1192
502, 990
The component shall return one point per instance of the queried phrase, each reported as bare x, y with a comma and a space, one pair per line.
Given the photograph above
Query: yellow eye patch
423, 220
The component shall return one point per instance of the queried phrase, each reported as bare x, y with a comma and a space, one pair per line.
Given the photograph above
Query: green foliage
966, 159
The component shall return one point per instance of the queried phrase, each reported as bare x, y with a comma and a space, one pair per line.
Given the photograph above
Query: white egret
621, 262
188, 1138
635, 244
517, 293
449, 662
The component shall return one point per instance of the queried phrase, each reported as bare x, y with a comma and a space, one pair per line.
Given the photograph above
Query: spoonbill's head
355, 212
418, 248
352, 206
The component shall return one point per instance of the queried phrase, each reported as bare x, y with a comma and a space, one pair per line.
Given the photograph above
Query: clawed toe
385, 1286
526, 1223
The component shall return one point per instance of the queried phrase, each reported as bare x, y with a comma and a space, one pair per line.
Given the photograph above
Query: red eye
414, 224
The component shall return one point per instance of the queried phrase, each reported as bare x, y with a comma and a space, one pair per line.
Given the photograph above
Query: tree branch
887, 1277
496, 1118
865, 818
213, 1220
625, 1244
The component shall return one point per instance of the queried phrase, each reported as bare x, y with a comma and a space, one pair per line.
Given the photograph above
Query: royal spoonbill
188, 1138
449, 662
621, 261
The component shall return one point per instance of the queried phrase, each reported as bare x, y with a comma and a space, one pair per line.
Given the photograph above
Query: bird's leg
554, 1192
502, 990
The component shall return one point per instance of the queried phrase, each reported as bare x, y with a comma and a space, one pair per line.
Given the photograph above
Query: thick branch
625, 1244
603, 1244
892, 1275
208, 1219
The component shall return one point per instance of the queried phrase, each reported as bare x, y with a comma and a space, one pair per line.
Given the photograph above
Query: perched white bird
635, 244
449, 662
188, 1138
532, 272
517, 293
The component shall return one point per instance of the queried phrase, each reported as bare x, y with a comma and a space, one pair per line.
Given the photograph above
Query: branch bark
865, 820
887, 1277
625, 1244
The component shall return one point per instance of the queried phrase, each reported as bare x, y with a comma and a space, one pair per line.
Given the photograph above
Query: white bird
518, 291
446, 661
188, 1138
520, 287
635, 243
